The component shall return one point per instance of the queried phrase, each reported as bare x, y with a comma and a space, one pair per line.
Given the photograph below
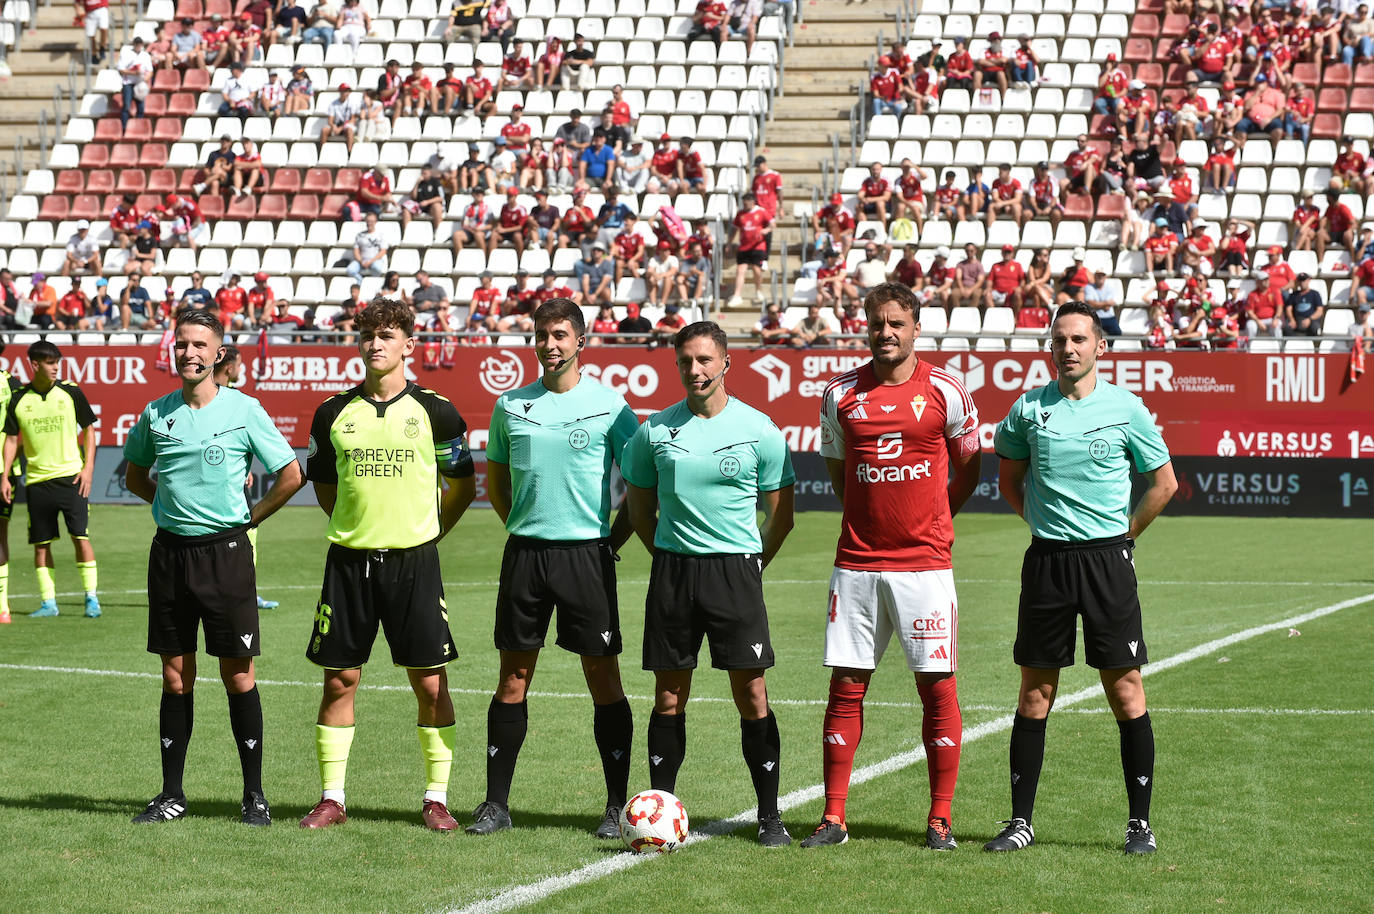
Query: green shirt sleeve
1144, 441
138, 447
622, 430
775, 461
1010, 440
264, 438
637, 460
498, 436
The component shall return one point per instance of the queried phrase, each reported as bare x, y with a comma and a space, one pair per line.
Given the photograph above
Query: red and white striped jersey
895, 440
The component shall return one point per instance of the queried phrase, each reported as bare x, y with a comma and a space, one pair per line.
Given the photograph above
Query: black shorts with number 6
576, 577
719, 597
399, 590
1063, 580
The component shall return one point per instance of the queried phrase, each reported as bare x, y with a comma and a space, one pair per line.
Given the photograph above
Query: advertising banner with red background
1207, 404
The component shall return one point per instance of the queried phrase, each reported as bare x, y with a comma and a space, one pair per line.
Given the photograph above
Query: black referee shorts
50, 498
203, 580
1063, 580
576, 577
399, 589
719, 597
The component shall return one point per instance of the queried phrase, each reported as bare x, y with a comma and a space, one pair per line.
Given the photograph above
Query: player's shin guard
942, 730
762, 748
1138, 763
613, 727
175, 717
506, 726
436, 745
1027, 757
841, 732
245, 719
332, 745
90, 578
47, 586
667, 749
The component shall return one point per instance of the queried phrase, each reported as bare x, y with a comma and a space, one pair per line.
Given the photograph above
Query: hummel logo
606, 636
617, 753
492, 750
768, 766
247, 640
527, 407
939, 653
943, 742
758, 650
166, 743
656, 759
888, 409
672, 433
1133, 645
1142, 780
835, 739
251, 743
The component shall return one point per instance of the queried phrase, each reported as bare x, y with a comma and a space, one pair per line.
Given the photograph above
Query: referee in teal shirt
202, 439
1067, 453
696, 473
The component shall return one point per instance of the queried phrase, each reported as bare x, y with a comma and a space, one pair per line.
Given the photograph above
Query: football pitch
1260, 693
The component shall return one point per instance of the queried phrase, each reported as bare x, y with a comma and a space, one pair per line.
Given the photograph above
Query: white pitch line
529, 893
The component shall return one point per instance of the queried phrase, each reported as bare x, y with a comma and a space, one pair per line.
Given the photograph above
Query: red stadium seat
146, 203
1310, 74
1111, 206
100, 181
187, 182
95, 155
242, 209
1176, 74
346, 180
1326, 126
272, 206
153, 155
167, 129
193, 9
138, 130
1175, 24
1150, 6
1139, 50
181, 104
1364, 74
155, 105
162, 181
1336, 74
124, 155
222, 7
318, 181
87, 206
332, 206
1332, 100
1362, 100
55, 208
70, 181
195, 80
132, 181
305, 207
286, 181
108, 130
1144, 25
166, 81
1151, 74
211, 207
1078, 206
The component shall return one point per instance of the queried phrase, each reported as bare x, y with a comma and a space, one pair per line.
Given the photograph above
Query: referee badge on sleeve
313, 448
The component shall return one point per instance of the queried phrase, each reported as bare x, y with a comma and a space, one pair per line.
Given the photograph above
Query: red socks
843, 728
942, 729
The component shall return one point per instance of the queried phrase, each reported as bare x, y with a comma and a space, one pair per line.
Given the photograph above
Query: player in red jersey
754, 226
891, 432
767, 187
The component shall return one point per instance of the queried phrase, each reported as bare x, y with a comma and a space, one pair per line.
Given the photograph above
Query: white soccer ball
653, 822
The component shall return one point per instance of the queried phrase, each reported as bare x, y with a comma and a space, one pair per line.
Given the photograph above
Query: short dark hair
43, 351
1078, 307
231, 354
199, 317
895, 292
698, 329
561, 309
386, 312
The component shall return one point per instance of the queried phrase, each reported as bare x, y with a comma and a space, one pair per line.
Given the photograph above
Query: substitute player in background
202, 439
549, 457
696, 471
228, 372
9, 385
378, 453
900, 440
1067, 451
58, 428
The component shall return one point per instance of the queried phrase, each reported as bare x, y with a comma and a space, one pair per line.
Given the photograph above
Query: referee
549, 457
377, 454
1067, 451
202, 440
696, 471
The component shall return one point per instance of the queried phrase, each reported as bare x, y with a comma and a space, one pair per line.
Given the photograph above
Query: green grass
1255, 812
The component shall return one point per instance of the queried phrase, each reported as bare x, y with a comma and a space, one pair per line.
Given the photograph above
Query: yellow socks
436, 744
89, 578
47, 587
332, 745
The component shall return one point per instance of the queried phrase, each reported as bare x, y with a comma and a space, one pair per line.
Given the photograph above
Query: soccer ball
653, 822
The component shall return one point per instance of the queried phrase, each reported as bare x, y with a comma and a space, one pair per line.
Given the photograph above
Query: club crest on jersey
918, 406
861, 396
412, 429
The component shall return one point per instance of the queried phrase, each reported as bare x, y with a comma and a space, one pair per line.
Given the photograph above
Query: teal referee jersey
203, 457
708, 473
1081, 454
560, 447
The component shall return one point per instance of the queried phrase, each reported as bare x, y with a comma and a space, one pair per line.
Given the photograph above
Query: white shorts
866, 607
97, 20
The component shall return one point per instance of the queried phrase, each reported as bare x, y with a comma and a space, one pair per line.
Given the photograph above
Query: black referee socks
667, 749
762, 749
245, 718
506, 726
1027, 757
175, 716
1138, 763
613, 728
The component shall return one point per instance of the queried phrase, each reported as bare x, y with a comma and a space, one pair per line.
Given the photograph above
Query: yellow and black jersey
386, 459
49, 424
9, 386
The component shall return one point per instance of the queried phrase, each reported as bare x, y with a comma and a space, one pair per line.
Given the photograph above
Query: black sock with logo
613, 727
762, 749
667, 749
175, 717
245, 719
1027, 757
506, 727
1138, 763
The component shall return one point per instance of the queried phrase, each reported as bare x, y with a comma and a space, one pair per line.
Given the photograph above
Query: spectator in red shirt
832, 282
1347, 173
909, 196
1301, 109
1160, 248
1111, 86
124, 220
549, 63
939, 283
479, 95
767, 187
629, 250
1199, 250
1263, 309
71, 308
1074, 279
232, 301
875, 194
753, 226
374, 191
907, 271
418, 94
834, 225
1005, 279
510, 223
1221, 163
517, 70
261, 298
1082, 166
517, 132
1363, 283
1281, 275
1337, 225
691, 175
993, 67
708, 21
1006, 198
605, 324
499, 24
1305, 224
959, 67
769, 328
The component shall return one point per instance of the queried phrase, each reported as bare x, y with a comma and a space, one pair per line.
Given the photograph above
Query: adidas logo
758, 650
835, 739
171, 812
943, 742
251, 743
166, 743
1133, 645
769, 766
606, 636
247, 640
492, 750
656, 759
857, 412
939, 653
1142, 780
